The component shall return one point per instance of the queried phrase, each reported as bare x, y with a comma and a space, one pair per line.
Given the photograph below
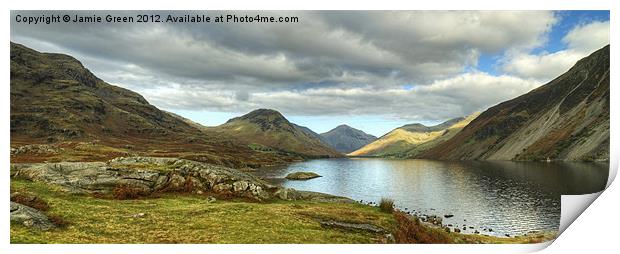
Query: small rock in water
448, 215
302, 175
476, 232
507, 235
456, 230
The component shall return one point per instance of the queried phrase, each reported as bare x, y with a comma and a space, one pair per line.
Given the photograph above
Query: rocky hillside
565, 119
346, 139
413, 139
60, 111
266, 129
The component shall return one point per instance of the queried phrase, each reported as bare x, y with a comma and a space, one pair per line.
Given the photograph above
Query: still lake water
508, 197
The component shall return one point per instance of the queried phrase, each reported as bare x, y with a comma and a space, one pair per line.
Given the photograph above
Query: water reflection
508, 197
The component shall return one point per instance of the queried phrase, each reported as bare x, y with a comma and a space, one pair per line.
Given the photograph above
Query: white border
592, 231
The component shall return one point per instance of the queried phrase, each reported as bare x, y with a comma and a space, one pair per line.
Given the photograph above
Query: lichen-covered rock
240, 186
222, 188
147, 174
29, 217
293, 194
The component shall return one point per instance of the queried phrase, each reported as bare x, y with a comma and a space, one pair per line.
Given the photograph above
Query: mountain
346, 139
565, 119
310, 133
61, 111
411, 139
266, 127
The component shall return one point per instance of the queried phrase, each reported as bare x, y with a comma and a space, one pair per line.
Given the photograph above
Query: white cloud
439, 100
332, 63
588, 37
581, 41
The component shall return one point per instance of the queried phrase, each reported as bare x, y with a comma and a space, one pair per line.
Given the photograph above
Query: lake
508, 197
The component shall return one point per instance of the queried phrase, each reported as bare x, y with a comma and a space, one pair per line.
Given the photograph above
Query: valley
80, 145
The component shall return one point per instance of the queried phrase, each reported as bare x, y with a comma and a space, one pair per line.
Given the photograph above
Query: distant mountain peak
346, 139
261, 113
264, 111
270, 128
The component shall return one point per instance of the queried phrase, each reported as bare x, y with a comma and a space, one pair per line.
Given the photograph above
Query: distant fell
346, 139
267, 127
411, 139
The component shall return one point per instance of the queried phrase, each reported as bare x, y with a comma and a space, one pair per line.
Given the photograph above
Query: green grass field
189, 218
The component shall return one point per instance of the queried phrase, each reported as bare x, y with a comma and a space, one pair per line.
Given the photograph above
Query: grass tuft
123, 192
386, 205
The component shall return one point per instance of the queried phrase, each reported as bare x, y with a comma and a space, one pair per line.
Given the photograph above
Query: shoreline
311, 196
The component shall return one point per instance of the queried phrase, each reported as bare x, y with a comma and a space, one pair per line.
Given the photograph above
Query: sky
372, 70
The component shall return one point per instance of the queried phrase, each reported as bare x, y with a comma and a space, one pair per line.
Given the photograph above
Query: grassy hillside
410, 140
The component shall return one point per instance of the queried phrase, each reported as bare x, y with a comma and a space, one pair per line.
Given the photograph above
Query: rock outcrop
151, 174
29, 217
147, 174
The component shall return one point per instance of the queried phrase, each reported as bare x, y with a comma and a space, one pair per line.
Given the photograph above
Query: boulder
29, 217
302, 175
293, 194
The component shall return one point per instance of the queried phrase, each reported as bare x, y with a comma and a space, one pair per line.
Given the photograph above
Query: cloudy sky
373, 70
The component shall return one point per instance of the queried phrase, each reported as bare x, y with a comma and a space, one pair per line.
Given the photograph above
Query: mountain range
59, 104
